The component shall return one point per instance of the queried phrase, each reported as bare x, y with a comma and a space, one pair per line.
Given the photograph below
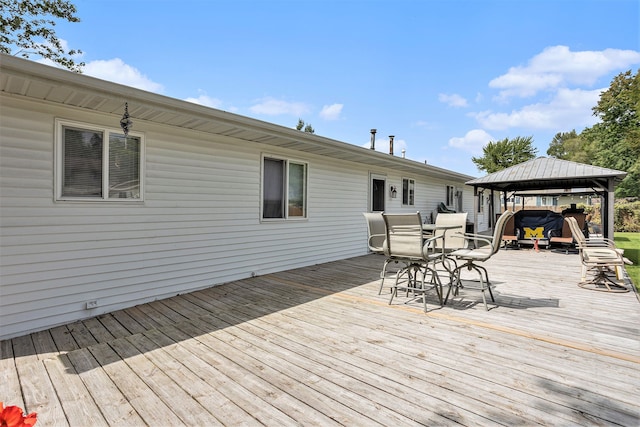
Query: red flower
11, 416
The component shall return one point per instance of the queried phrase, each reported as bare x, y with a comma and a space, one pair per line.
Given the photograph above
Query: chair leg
602, 282
383, 274
486, 277
435, 283
416, 285
454, 283
484, 282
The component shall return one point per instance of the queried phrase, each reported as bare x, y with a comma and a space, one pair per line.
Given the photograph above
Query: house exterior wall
198, 226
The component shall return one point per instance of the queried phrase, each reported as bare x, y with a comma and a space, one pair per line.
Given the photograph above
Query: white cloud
206, 100
274, 107
472, 142
115, 70
569, 108
557, 66
331, 112
453, 100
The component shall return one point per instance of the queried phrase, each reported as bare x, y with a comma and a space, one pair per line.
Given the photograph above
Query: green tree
305, 126
27, 27
505, 153
558, 147
616, 139
570, 146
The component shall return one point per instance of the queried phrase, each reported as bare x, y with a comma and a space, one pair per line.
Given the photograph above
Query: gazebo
548, 173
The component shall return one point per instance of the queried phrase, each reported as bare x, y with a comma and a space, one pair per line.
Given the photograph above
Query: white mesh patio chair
484, 247
453, 237
377, 234
406, 243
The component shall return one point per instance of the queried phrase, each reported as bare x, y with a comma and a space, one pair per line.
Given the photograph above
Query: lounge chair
603, 258
442, 208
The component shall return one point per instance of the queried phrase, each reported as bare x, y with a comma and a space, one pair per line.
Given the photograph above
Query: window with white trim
284, 188
96, 163
408, 191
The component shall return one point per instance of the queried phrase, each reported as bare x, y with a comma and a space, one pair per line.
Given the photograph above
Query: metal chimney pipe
404, 153
373, 139
391, 144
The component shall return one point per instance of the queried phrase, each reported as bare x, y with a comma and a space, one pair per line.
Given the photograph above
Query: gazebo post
608, 211
475, 209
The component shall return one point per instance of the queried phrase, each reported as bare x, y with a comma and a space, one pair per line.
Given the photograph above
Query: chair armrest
470, 237
602, 241
430, 243
383, 236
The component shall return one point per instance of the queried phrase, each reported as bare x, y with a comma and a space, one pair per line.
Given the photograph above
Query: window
451, 193
97, 164
408, 191
546, 201
284, 189
480, 202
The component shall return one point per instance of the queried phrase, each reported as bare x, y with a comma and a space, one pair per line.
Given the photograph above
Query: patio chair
453, 237
593, 242
602, 257
377, 233
511, 234
484, 248
406, 243
564, 239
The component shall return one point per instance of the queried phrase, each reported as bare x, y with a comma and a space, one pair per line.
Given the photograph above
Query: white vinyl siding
198, 226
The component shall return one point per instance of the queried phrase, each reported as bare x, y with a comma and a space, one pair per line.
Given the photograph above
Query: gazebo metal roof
547, 173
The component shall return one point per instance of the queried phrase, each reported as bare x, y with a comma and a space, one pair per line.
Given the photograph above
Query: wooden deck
318, 346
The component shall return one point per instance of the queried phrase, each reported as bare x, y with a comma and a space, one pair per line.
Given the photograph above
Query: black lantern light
125, 121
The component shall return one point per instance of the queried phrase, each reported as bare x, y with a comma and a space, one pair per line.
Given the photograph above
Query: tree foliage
305, 126
614, 142
617, 137
27, 27
570, 146
505, 153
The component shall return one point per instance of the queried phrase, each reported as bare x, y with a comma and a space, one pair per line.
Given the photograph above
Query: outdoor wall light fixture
393, 192
125, 121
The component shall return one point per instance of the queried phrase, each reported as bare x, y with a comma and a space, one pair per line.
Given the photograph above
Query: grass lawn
630, 242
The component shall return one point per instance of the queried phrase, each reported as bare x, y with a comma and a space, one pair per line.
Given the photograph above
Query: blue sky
444, 77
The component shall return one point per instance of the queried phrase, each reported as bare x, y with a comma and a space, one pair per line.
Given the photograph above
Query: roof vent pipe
391, 144
404, 153
373, 139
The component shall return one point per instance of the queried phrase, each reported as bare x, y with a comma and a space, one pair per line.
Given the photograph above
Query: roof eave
257, 131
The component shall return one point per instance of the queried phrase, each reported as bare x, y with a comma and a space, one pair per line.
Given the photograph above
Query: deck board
319, 346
